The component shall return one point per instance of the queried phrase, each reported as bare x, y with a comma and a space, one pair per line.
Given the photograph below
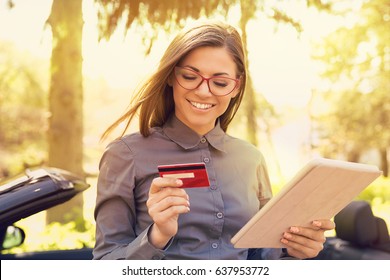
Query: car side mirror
14, 236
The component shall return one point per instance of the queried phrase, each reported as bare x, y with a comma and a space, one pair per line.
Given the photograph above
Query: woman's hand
307, 242
165, 203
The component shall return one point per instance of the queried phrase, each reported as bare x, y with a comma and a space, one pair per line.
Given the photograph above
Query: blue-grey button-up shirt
239, 186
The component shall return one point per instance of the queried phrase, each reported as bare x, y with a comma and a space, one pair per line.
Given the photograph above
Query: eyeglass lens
190, 80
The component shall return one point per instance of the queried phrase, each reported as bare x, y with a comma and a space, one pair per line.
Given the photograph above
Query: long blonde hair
154, 100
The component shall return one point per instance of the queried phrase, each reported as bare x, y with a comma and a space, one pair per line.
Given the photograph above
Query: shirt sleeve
115, 212
264, 195
265, 189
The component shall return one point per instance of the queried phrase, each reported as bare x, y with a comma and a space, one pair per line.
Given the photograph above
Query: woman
184, 111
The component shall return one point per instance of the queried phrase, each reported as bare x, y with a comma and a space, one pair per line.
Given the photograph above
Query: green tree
357, 67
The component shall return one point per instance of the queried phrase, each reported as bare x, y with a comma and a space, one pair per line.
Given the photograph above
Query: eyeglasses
218, 85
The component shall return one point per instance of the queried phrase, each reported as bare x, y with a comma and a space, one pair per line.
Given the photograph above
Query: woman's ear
237, 89
235, 92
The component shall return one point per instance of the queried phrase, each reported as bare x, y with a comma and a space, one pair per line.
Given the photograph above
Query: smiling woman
200, 101
185, 108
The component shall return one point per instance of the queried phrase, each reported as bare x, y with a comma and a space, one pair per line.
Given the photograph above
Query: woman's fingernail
317, 223
179, 182
294, 229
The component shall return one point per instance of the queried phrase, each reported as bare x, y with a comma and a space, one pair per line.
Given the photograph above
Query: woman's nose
203, 88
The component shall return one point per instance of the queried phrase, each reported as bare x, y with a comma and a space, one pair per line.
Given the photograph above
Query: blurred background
319, 86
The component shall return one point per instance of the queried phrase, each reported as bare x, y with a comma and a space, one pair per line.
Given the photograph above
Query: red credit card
193, 175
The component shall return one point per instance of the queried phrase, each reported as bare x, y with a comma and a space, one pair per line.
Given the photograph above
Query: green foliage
18, 159
58, 236
160, 14
23, 98
357, 68
377, 193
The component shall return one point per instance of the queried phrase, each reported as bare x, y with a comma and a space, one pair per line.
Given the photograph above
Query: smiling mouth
202, 106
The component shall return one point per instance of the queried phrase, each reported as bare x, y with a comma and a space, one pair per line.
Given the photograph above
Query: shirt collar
185, 137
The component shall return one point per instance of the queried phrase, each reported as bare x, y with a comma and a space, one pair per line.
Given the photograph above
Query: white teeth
201, 105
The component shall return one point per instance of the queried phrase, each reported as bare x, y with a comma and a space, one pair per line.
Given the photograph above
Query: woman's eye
189, 77
219, 83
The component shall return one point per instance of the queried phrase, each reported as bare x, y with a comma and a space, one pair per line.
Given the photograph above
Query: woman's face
199, 108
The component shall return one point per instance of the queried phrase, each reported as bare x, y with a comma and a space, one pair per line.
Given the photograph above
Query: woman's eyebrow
197, 70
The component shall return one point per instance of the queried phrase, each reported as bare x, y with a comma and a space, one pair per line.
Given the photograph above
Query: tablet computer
318, 191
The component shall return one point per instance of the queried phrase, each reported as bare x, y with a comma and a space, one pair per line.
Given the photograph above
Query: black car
36, 191
359, 234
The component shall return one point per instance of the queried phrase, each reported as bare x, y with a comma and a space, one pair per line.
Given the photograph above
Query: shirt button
219, 215
214, 245
206, 160
213, 187
203, 140
155, 258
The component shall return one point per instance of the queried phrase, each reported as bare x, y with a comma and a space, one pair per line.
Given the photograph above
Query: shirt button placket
217, 226
215, 252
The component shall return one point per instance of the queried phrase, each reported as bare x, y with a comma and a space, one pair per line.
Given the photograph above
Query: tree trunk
65, 148
354, 155
249, 101
384, 162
